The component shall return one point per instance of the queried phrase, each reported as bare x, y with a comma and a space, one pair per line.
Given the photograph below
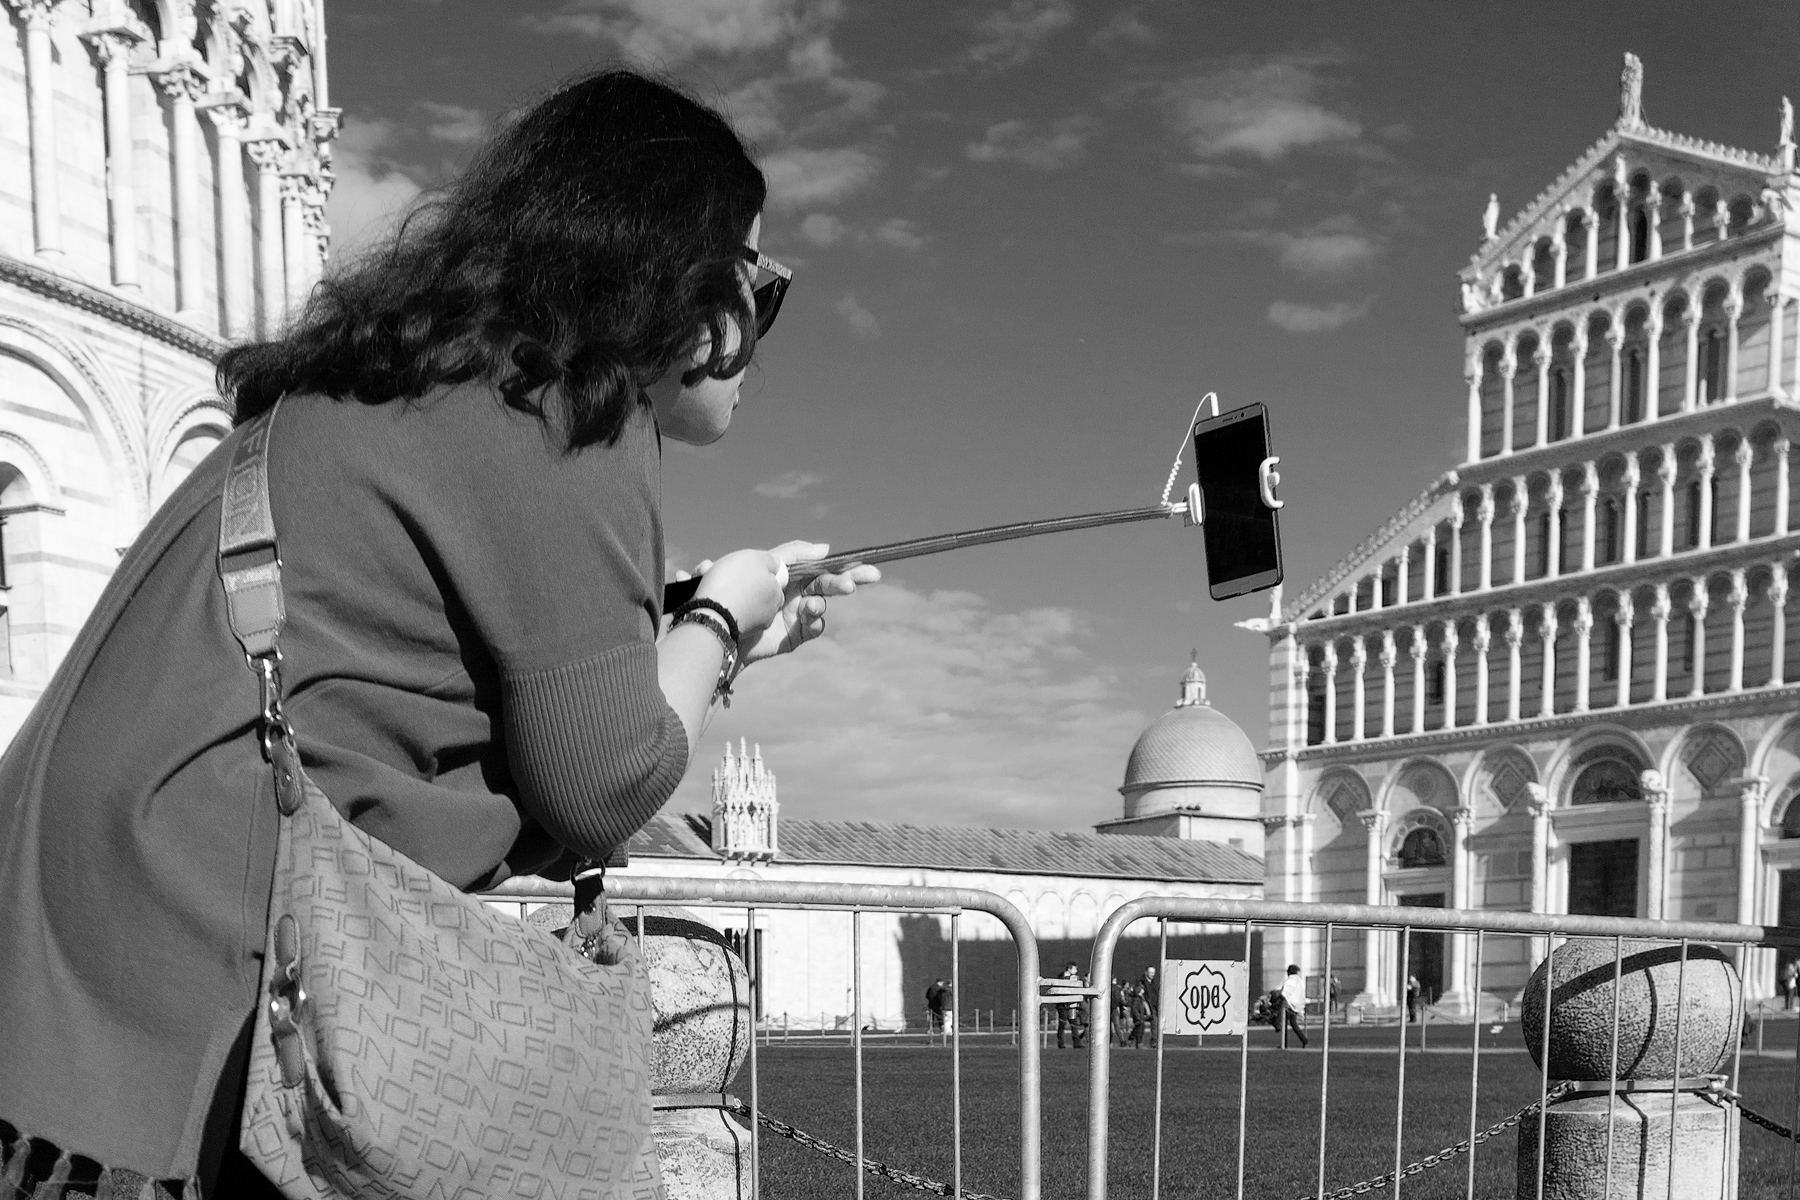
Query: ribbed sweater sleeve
595, 748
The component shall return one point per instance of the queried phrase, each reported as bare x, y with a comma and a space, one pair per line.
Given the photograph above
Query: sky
1027, 237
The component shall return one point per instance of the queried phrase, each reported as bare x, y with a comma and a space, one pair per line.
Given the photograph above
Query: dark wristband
731, 625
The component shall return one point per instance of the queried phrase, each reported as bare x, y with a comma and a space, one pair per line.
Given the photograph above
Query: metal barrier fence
1338, 918
625, 892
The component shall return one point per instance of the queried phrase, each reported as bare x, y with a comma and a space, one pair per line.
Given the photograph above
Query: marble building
163, 172
1560, 679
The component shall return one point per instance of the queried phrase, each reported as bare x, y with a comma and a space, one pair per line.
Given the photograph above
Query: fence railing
1336, 919
624, 892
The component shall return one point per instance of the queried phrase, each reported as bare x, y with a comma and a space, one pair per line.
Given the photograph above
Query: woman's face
700, 412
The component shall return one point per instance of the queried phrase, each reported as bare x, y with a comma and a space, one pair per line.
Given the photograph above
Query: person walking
1790, 982
1071, 1019
1121, 1013
1414, 993
1141, 1015
1331, 997
937, 1001
1152, 988
459, 440
1293, 1005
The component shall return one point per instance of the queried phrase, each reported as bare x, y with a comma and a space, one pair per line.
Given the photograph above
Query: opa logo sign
1206, 997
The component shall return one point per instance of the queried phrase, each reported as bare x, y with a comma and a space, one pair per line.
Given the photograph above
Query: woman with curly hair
465, 473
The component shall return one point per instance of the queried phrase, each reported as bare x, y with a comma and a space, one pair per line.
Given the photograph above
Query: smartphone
1243, 537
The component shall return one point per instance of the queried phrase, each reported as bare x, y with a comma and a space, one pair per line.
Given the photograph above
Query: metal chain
1446, 1154
868, 1164
1727, 1096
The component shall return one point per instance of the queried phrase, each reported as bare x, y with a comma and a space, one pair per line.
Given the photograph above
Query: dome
1192, 744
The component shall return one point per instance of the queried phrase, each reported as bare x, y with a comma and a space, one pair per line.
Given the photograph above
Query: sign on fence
1205, 995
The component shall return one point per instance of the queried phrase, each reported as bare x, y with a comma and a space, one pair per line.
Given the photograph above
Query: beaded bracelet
699, 604
703, 616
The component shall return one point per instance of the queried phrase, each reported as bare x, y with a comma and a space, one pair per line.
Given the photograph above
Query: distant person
1121, 1013
937, 1000
1331, 997
1071, 1019
1414, 994
1141, 1013
1293, 1003
1152, 988
1790, 982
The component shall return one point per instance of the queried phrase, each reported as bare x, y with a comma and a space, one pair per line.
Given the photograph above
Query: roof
1193, 744
967, 848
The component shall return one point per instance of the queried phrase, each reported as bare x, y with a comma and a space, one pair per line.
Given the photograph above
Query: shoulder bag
412, 1041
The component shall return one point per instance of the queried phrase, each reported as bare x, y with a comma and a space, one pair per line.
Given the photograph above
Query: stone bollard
1575, 1130
700, 993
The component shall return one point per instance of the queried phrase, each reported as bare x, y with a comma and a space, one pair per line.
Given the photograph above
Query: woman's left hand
802, 615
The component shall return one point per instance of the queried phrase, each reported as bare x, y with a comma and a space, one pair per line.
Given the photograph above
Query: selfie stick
680, 591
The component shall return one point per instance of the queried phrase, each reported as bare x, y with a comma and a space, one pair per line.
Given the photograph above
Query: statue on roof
1490, 218
1631, 92
1785, 144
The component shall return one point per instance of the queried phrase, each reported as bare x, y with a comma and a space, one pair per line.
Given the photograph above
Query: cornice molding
111, 306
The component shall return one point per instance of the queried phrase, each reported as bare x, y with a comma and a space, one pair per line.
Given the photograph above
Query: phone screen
1243, 541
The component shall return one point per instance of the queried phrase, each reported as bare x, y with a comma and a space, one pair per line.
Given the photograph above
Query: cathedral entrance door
1425, 956
1603, 878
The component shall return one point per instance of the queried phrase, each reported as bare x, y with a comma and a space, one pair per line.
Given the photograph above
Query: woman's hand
800, 614
751, 584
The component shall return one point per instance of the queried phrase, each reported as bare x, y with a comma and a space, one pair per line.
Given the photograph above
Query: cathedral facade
1560, 679
163, 172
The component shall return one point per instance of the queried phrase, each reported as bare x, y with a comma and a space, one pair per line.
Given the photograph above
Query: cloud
1262, 109
799, 177
1337, 246
860, 319
1122, 29
789, 485
1315, 318
372, 190
900, 234
934, 708
1046, 150
823, 229
896, 233
453, 123
1012, 33
672, 31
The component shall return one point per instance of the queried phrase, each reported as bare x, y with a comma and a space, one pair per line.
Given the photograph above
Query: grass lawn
908, 1104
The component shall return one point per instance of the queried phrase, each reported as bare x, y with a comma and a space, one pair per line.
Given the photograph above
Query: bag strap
250, 571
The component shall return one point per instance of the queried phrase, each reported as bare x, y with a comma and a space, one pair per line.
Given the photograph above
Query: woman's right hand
750, 583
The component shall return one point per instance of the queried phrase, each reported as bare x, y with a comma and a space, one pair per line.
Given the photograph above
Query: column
318, 237
1559, 254
1515, 636
40, 101
1578, 392
1590, 493
1359, 659
1631, 478
1462, 820
1721, 220
1387, 683
1456, 524
1660, 609
183, 84
1547, 631
1653, 222
1375, 588
1509, 366
1751, 790
1778, 590
1622, 619
1622, 245
1540, 358
1420, 648
293, 241
113, 48
1449, 651
1484, 512
1690, 385
1473, 378
1653, 329
271, 291
1656, 797
1483, 640
1779, 448
1777, 321
1738, 598
1537, 803
236, 274
1521, 502
1405, 565
1374, 991
1584, 631
1734, 308
1706, 464
1697, 603
1615, 342
1553, 498
1591, 263
1302, 671
1430, 563
1743, 456
1687, 220
1665, 474
1328, 656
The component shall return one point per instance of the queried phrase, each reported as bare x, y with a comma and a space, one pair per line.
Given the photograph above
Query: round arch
1420, 782
1499, 775
1708, 753
1341, 793
1412, 821
1579, 750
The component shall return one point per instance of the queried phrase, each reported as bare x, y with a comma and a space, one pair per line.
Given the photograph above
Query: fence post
1653, 1106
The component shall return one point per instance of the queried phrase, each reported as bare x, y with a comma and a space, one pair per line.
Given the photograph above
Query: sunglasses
768, 296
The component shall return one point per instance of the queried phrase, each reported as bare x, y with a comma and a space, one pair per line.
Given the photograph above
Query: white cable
1187, 433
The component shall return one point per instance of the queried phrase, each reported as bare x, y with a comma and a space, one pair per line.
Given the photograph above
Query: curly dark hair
591, 246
